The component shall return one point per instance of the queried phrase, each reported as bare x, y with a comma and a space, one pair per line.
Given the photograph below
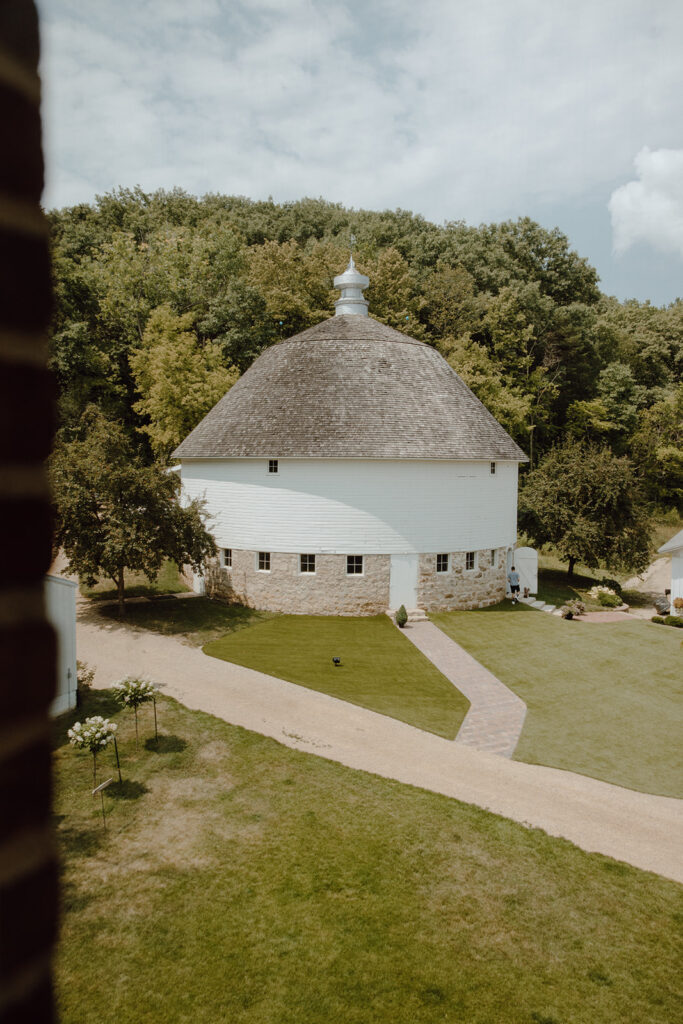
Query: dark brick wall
28, 876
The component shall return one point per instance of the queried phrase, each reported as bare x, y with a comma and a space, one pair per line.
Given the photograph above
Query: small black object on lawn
337, 662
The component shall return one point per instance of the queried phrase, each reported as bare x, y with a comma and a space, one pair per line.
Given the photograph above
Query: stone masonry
330, 591
462, 588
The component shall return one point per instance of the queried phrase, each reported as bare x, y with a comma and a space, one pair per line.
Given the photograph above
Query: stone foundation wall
328, 591
462, 588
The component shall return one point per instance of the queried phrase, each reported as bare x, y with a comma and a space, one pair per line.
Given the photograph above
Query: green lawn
195, 620
137, 585
604, 699
380, 669
243, 882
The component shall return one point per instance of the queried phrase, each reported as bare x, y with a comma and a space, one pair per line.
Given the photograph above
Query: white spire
351, 285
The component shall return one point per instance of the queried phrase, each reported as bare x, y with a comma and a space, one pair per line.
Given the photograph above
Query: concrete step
538, 604
414, 614
548, 608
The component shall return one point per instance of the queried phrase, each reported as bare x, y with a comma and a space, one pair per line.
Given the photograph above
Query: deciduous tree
585, 501
114, 513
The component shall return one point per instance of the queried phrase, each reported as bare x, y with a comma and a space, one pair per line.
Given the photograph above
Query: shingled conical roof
350, 387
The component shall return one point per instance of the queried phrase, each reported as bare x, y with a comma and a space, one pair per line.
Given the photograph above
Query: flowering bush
597, 590
94, 734
132, 693
678, 602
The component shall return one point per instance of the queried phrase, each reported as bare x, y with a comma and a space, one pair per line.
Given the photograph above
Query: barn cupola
351, 284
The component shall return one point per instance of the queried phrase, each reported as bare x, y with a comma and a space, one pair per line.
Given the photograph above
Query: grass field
243, 882
194, 620
604, 699
380, 669
137, 585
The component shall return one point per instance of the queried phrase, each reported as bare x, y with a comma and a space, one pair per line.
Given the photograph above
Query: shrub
401, 616
84, 680
658, 619
614, 585
609, 600
566, 612
94, 734
576, 607
678, 603
132, 693
674, 620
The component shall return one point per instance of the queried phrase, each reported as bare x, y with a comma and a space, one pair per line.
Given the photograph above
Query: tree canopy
114, 513
155, 288
585, 501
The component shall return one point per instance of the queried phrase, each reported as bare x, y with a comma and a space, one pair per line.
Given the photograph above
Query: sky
566, 111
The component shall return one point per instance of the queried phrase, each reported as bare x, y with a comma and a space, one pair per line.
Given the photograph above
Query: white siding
356, 506
60, 608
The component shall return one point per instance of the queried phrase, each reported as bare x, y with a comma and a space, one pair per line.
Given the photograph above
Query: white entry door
403, 581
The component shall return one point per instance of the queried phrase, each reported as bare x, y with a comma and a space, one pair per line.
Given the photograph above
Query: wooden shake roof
350, 387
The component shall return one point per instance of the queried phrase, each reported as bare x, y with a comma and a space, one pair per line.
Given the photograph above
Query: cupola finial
351, 284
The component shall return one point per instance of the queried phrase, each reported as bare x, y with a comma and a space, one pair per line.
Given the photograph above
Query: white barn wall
355, 505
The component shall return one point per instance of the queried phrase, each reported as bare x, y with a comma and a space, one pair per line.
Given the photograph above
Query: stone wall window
307, 563
493, 468
442, 563
264, 561
354, 565
471, 560
273, 466
493, 557
226, 558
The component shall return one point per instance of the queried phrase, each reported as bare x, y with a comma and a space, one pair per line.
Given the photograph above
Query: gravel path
646, 831
496, 715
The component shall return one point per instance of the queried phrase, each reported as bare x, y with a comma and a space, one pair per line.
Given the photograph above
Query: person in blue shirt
513, 580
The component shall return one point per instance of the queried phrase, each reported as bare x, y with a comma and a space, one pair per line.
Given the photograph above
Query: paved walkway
496, 715
646, 831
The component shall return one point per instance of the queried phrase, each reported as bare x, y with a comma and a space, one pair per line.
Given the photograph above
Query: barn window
442, 563
470, 559
493, 556
354, 565
307, 563
272, 466
264, 561
493, 468
226, 558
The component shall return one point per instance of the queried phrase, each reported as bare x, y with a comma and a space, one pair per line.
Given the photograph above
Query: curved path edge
642, 830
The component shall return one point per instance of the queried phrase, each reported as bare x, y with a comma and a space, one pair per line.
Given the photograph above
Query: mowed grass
194, 620
245, 882
137, 585
380, 669
603, 699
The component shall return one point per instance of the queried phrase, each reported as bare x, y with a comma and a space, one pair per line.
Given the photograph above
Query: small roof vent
351, 284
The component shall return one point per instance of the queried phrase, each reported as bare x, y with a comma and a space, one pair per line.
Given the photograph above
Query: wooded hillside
163, 299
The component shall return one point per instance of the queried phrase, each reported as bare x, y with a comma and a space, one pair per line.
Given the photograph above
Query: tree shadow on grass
127, 790
165, 744
91, 702
80, 842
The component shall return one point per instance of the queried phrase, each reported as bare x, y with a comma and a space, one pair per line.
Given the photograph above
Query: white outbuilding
351, 470
60, 609
674, 547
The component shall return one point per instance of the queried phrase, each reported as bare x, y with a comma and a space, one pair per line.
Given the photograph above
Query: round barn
350, 471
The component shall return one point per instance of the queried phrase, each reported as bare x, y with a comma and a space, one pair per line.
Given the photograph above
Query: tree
178, 381
585, 501
114, 513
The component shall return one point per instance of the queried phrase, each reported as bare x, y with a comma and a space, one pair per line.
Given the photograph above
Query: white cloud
651, 209
453, 110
